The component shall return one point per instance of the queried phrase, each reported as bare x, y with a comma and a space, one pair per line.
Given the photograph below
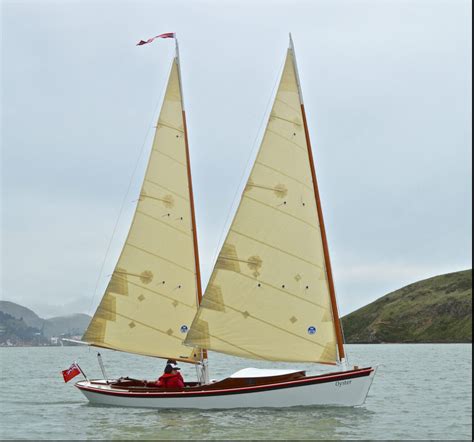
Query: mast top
178, 62
292, 50
176, 45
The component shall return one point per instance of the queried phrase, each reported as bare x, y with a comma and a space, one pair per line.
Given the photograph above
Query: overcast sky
388, 93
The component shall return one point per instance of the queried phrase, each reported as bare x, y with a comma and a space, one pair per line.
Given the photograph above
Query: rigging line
122, 206
265, 117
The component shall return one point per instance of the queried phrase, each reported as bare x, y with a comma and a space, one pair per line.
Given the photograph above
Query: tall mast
332, 291
191, 194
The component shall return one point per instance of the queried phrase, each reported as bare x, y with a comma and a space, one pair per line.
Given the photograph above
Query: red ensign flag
71, 372
167, 35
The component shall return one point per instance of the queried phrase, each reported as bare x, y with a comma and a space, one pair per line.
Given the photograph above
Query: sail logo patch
312, 330
184, 329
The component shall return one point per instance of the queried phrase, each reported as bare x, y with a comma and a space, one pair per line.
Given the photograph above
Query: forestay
151, 299
268, 296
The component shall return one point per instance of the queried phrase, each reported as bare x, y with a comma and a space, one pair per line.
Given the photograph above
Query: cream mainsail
152, 296
269, 296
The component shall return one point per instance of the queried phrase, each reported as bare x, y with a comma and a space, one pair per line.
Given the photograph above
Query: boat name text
343, 383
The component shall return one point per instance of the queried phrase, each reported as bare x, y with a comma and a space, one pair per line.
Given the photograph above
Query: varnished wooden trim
332, 291
193, 219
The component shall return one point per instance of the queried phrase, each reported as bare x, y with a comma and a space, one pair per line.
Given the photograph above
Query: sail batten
153, 293
269, 297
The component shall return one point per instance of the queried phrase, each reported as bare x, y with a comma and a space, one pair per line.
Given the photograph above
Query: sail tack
268, 297
151, 299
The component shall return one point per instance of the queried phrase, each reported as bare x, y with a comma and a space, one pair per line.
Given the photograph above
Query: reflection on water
294, 423
414, 396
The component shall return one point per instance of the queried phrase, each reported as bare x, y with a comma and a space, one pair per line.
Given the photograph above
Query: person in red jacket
171, 378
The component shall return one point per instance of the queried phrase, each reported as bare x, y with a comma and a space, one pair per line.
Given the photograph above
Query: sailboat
271, 295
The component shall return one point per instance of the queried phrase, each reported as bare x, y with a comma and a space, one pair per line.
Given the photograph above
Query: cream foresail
268, 296
151, 299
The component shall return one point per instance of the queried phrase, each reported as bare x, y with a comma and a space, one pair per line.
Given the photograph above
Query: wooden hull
349, 388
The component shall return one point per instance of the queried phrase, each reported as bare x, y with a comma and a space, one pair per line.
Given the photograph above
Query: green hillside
438, 309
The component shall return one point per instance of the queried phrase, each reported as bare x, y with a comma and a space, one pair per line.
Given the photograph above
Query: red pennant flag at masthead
71, 372
150, 40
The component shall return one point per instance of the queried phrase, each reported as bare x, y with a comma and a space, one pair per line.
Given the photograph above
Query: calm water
420, 392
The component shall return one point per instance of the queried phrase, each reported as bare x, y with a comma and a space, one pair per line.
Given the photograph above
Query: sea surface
420, 392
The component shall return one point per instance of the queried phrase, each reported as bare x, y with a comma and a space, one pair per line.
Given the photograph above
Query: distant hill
72, 325
30, 318
15, 332
438, 310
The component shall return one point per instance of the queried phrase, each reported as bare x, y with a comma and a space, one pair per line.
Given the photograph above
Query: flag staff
83, 374
178, 61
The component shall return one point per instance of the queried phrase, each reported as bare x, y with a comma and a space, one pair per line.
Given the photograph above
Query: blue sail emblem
184, 329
